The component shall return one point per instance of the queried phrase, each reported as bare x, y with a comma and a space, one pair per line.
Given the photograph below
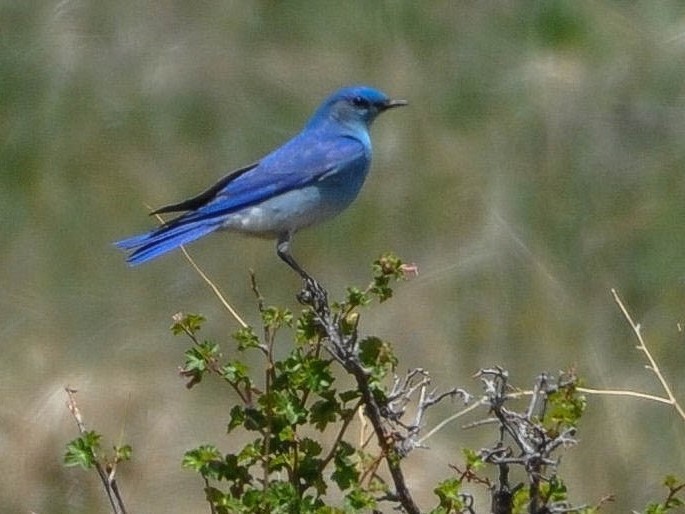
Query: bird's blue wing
198, 201
302, 161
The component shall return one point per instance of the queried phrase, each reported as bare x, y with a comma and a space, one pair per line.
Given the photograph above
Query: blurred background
540, 164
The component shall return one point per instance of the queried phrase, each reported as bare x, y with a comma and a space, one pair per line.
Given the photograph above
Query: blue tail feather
162, 240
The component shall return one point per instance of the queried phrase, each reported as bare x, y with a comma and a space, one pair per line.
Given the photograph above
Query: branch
653, 366
214, 288
106, 477
342, 347
209, 282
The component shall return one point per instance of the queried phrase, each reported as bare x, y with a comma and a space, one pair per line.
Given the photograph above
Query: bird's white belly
286, 213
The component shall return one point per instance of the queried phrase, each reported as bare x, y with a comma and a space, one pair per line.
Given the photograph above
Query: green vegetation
295, 421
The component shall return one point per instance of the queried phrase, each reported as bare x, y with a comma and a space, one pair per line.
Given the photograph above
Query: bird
311, 178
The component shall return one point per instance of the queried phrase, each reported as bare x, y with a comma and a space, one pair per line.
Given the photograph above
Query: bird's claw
313, 294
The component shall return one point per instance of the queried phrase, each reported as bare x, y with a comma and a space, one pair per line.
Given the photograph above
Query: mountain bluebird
309, 179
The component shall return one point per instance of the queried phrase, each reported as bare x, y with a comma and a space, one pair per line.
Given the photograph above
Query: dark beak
394, 103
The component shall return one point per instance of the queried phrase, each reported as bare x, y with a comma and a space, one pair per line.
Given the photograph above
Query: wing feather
294, 165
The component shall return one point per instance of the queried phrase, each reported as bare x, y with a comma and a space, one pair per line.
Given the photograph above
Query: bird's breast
298, 208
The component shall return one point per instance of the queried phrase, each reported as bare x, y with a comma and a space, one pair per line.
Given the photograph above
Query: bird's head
354, 106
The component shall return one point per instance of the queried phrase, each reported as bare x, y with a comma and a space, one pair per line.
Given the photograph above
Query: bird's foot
313, 294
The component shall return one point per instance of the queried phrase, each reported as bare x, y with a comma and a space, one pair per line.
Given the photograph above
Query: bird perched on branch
309, 179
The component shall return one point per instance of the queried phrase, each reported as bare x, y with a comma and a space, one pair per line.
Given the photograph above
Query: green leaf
283, 404
200, 359
310, 447
123, 453
280, 494
309, 469
377, 355
305, 372
554, 490
251, 452
233, 471
236, 372
346, 473
675, 502
254, 419
187, 323
348, 396
672, 501
359, 499
307, 329
474, 461
356, 298
287, 434
385, 268
655, 508
327, 509
323, 412
565, 408
246, 338
447, 492
201, 459
275, 318
237, 418
670, 481
224, 503
83, 450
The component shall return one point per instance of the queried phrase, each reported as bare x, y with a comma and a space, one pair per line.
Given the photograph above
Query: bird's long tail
163, 239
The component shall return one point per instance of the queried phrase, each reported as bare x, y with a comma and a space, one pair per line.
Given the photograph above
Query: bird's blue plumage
310, 178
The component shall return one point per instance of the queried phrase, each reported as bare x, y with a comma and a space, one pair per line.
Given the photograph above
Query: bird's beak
394, 103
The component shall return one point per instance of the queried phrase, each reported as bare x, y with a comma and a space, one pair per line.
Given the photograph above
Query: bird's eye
361, 102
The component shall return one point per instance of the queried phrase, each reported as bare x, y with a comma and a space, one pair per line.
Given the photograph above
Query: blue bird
309, 179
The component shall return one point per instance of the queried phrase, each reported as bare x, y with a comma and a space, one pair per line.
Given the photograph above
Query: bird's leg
313, 293
283, 251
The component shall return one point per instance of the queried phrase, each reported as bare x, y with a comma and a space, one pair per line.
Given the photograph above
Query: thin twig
107, 479
456, 415
624, 392
653, 366
214, 288
209, 282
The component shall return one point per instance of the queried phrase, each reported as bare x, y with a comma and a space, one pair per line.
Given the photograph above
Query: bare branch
215, 289
653, 366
